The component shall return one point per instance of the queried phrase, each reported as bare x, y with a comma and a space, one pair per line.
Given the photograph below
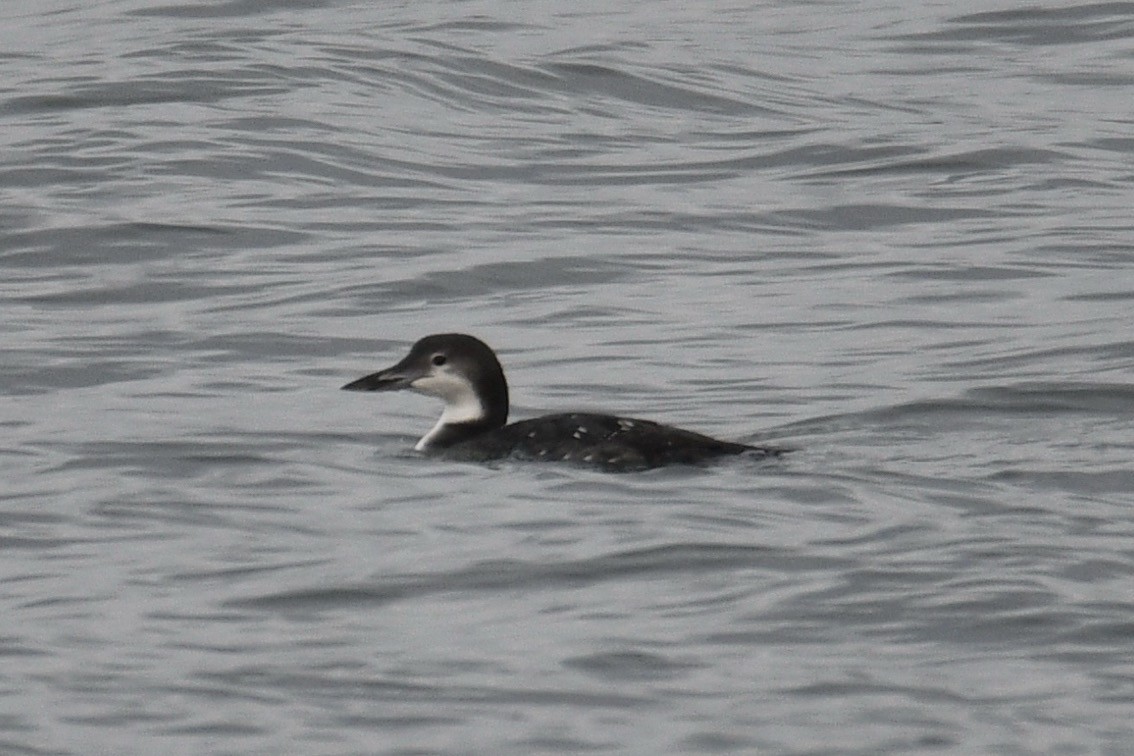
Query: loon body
465, 373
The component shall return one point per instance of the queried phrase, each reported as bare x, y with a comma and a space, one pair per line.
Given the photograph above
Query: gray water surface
896, 238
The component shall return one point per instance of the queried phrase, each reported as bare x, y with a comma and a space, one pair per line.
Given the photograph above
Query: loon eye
439, 360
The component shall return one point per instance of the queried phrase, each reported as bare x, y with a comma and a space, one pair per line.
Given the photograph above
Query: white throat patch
462, 405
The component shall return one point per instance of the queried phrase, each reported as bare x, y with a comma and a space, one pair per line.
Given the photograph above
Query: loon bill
464, 372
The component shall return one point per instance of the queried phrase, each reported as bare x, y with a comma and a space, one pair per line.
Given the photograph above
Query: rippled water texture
895, 237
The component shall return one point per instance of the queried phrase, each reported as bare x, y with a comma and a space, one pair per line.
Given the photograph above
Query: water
896, 238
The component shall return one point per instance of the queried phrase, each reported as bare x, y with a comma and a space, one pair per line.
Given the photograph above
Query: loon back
608, 442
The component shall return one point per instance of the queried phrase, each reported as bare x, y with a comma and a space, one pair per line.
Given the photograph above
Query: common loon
464, 372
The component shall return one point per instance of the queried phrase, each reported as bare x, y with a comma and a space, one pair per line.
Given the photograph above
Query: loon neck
467, 416
445, 434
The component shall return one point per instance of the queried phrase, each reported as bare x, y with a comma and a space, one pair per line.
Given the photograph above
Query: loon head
462, 371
